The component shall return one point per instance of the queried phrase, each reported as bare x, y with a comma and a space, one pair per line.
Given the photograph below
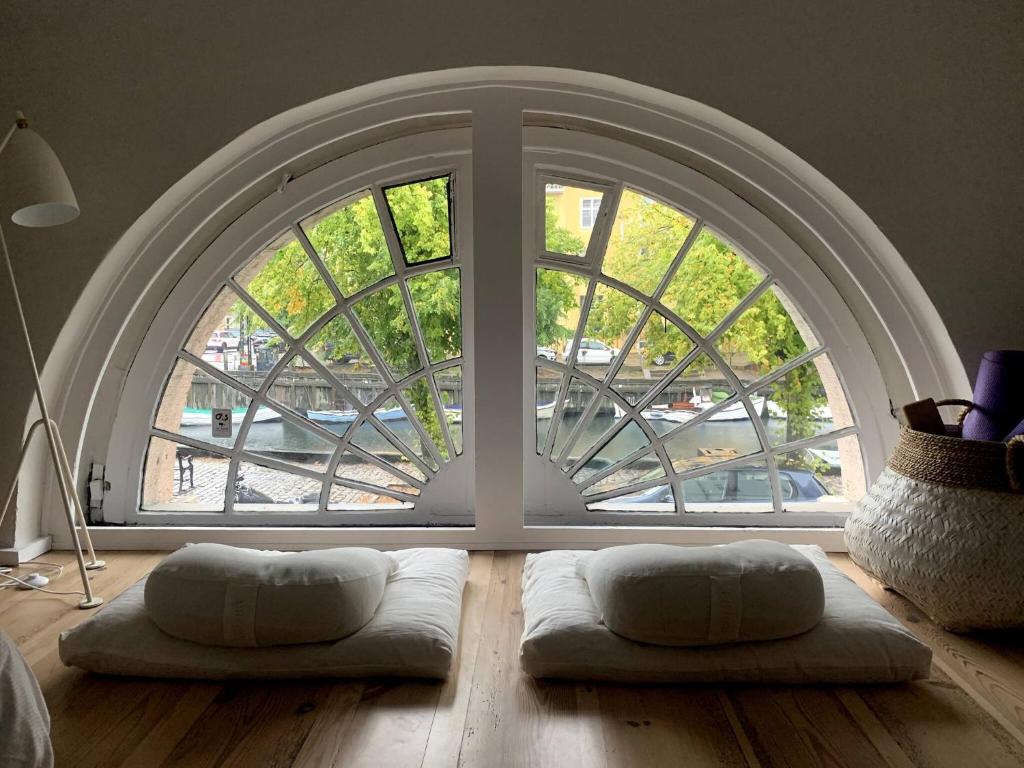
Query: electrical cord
32, 586
60, 572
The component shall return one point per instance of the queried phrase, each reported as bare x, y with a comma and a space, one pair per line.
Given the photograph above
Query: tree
710, 282
555, 291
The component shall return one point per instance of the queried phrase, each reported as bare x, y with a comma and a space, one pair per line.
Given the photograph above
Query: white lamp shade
37, 185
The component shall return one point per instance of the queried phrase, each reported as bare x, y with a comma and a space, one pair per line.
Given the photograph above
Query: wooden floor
969, 714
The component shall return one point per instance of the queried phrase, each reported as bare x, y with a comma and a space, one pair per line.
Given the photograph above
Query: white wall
914, 109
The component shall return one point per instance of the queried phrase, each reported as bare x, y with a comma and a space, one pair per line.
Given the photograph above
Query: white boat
203, 417
545, 410
345, 417
733, 412
656, 413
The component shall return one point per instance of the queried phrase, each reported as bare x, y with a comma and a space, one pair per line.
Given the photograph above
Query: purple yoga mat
998, 396
1017, 431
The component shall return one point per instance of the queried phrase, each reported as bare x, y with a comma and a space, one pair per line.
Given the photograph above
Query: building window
589, 206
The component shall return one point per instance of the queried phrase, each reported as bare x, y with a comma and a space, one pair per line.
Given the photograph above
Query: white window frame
551, 497
910, 353
248, 236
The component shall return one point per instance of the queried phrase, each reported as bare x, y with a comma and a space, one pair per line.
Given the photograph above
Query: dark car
736, 485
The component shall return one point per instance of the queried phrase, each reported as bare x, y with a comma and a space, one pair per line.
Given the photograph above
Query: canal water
286, 438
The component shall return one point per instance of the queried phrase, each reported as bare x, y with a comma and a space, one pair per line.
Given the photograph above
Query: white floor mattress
413, 634
857, 641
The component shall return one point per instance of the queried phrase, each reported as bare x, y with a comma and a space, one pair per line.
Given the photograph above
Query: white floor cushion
412, 634
856, 641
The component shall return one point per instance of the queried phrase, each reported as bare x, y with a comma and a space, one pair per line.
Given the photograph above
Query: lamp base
94, 603
95, 565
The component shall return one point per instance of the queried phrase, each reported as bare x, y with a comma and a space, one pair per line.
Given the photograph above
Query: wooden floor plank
445, 739
937, 724
488, 714
803, 726
657, 725
990, 666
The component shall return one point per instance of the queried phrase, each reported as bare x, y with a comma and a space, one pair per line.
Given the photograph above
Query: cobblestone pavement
210, 475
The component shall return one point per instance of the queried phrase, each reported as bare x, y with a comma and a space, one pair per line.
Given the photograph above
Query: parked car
221, 341
736, 485
592, 352
546, 352
665, 357
261, 337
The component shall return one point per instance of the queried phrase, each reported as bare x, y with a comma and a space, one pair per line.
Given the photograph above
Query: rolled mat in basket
998, 396
1018, 431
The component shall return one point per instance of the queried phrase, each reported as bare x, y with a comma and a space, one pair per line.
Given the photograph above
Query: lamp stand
65, 479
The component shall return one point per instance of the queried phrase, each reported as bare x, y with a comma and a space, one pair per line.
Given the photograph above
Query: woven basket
944, 526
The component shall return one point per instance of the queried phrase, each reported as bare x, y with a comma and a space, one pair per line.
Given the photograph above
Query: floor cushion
412, 634
24, 719
856, 641
214, 594
668, 595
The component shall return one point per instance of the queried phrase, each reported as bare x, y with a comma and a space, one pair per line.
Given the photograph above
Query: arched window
326, 374
506, 316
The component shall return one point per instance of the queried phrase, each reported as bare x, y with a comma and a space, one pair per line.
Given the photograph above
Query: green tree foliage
555, 291
709, 284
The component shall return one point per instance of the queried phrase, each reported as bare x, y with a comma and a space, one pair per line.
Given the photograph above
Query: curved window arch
510, 492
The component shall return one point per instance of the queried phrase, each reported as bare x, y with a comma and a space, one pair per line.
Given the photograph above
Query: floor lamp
43, 197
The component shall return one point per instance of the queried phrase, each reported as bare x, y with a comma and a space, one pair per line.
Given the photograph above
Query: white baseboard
172, 537
30, 551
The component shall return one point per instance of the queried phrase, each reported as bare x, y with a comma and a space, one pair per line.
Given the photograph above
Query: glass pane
646, 236
180, 477
354, 467
336, 347
628, 440
438, 304
282, 440
659, 499
711, 442
300, 388
449, 386
577, 398
660, 346
343, 498
768, 334
810, 474
558, 299
699, 387
710, 283
603, 419
798, 404
348, 238
737, 489
372, 441
189, 395
419, 397
382, 314
570, 214
612, 316
256, 486
396, 421
637, 471
420, 212
548, 383
286, 284
232, 338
